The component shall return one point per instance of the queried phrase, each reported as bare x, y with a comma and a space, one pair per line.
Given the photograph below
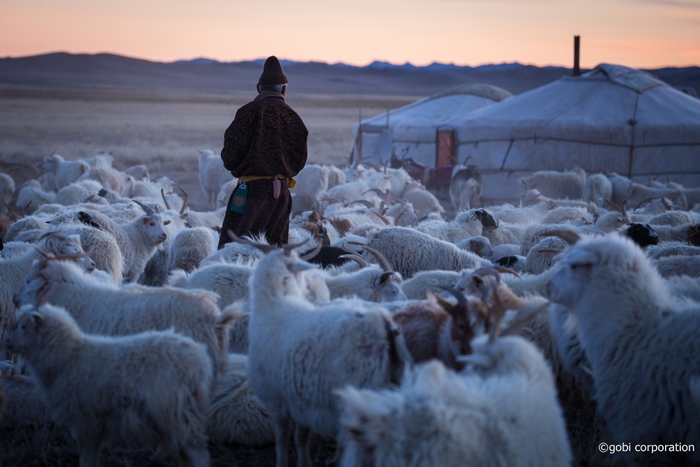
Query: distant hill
115, 73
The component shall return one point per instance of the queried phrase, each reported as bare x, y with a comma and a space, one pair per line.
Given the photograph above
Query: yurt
611, 119
425, 130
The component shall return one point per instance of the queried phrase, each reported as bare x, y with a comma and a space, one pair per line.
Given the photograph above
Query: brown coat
267, 137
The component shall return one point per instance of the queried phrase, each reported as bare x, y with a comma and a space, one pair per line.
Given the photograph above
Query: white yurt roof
417, 121
613, 119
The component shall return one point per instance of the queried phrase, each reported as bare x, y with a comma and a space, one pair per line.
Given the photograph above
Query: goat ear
38, 319
478, 281
385, 277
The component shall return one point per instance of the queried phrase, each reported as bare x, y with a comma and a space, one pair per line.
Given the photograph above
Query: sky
636, 33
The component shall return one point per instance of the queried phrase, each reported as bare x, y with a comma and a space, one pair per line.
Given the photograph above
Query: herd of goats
409, 339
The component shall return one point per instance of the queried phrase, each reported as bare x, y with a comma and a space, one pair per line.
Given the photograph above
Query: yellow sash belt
250, 178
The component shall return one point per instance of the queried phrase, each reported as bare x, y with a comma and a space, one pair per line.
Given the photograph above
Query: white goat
212, 175
409, 251
101, 308
466, 224
91, 384
60, 172
505, 415
558, 185
317, 350
641, 345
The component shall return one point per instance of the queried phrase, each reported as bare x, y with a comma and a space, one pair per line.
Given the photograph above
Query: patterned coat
265, 138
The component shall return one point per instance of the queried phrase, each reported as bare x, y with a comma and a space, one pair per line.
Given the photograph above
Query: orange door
446, 150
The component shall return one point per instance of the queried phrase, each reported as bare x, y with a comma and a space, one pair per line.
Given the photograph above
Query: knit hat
272, 72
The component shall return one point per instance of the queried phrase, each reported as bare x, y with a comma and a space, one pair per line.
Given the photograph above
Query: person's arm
237, 141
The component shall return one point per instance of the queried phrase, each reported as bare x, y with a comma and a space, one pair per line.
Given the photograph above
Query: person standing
264, 147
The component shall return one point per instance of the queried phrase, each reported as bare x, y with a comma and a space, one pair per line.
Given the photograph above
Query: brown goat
438, 329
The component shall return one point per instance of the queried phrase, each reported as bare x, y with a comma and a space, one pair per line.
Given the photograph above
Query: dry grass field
163, 131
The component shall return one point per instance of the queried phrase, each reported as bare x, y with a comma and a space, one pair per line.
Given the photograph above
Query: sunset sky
637, 33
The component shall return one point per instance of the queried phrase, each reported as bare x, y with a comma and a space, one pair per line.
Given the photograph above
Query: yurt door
446, 149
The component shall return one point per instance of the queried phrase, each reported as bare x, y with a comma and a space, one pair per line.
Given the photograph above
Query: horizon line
337, 63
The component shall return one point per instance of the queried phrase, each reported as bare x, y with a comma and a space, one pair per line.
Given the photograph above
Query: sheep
7, 189
558, 185
672, 249
32, 195
235, 414
312, 180
212, 175
436, 328
541, 256
642, 234
636, 193
101, 308
99, 245
190, 247
317, 350
675, 218
597, 188
60, 172
77, 192
641, 344
678, 266
466, 224
465, 187
110, 179
507, 416
228, 281
90, 384
424, 202
138, 172
503, 250
409, 251
479, 245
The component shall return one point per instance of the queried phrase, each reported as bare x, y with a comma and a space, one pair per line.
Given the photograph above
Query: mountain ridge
66, 71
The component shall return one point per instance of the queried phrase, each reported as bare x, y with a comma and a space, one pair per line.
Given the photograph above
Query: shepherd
264, 147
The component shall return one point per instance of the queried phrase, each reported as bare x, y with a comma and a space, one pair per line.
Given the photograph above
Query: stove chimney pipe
577, 48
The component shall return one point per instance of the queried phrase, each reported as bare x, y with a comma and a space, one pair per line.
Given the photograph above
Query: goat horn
613, 205
149, 211
461, 299
364, 202
357, 258
518, 325
260, 246
332, 200
568, 236
167, 205
500, 313
643, 202
381, 259
289, 247
185, 202
311, 254
45, 297
384, 219
507, 271
489, 272
397, 218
